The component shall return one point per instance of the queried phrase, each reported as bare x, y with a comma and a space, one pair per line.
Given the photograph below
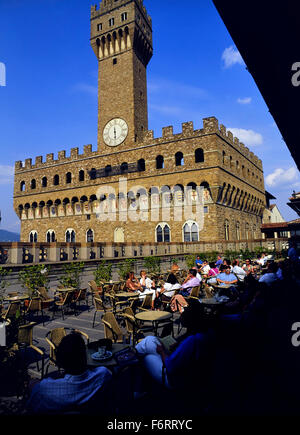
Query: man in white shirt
198, 275
205, 267
262, 260
238, 271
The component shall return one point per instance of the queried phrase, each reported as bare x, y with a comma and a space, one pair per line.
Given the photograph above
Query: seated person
205, 268
147, 287
181, 365
212, 274
226, 278
132, 283
219, 261
248, 268
190, 282
271, 275
198, 275
227, 262
167, 291
77, 388
198, 262
238, 271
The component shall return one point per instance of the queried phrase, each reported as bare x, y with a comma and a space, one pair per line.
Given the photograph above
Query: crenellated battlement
210, 126
108, 5
61, 158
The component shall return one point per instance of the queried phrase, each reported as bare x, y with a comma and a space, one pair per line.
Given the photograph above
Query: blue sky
49, 102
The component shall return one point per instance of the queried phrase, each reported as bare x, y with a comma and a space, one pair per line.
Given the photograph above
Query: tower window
56, 180
115, 61
199, 155
179, 160
160, 162
44, 182
99, 27
33, 184
124, 16
111, 22
68, 178
81, 175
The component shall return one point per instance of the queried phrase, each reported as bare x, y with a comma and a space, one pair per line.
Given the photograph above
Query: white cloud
165, 109
281, 176
86, 88
246, 100
231, 56
6, 174
248, 137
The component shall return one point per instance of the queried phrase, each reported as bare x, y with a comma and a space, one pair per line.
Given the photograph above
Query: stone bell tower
121, 37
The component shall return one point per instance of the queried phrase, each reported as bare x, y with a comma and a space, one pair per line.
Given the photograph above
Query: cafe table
18, 298
154, 316
127, 295
109, 363
65, 289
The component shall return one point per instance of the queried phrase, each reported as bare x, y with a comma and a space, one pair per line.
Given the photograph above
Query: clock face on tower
115, 132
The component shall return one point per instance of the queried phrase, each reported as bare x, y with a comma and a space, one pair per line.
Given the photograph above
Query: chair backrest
134, 302
12, 310
98, 304
114, 332
129, 310
25, 333
43, 293
68, 298
34, 305
56, 335
82, 294
147, 302
129, 322
195, 291
93, 286
115, 288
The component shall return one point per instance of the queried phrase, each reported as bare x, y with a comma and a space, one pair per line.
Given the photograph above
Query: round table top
16, 298
153, 316
127, 295
66, 289
107, 363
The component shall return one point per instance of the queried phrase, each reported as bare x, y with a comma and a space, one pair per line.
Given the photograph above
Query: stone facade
67, 198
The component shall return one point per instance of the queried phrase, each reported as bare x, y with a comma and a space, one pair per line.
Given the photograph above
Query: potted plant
103, 273
33, 277
152, 264
71, 275
125, 267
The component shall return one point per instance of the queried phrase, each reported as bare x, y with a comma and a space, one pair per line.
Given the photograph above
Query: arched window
90, 236
93, 174
226, 229
33, 184
179, 160
141, 165
160, 162
107, 170
199, 155
68, 177
81, 175
50, 236
22, 186
162, 233
56, 180
190, 232
44, 182
70, 236
33, 237
124, 167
